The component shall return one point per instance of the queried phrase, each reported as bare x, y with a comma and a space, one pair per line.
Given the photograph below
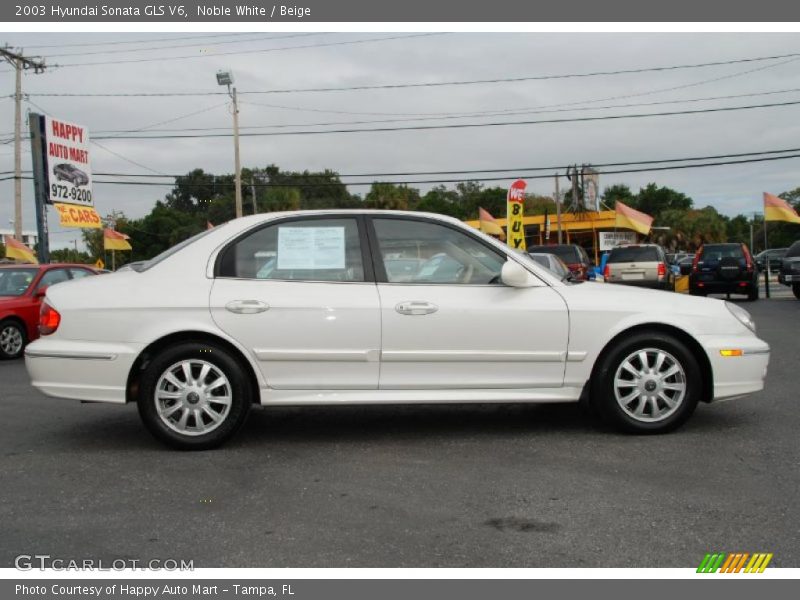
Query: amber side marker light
49, 319
731, 352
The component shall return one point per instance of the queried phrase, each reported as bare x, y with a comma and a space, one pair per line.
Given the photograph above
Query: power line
793, 57
460, 180
141, 41
261, 38
458, 125
239, 52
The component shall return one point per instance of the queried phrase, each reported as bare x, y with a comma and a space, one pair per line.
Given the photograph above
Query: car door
454, 324
299, 295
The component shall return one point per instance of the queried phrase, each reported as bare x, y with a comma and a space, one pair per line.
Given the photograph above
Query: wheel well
19, 322
692, 344
145, 356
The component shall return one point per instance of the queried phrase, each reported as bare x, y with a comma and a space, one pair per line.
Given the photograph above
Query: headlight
742, 315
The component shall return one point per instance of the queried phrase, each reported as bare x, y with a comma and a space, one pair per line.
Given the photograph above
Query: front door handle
246, 307
415, 307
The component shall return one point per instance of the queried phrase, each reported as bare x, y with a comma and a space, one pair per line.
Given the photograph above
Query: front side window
80, 273
53, 277
421, 252
302, 250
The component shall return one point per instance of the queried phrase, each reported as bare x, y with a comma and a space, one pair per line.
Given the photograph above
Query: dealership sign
68, 173
612, 239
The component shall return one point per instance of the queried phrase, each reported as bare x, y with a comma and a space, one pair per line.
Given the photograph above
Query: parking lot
417, 486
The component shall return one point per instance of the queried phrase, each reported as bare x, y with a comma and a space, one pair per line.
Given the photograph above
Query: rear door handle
415, 307
246, 307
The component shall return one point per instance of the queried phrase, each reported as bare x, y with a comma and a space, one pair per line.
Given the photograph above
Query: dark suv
574, 257
790, 269
724, 269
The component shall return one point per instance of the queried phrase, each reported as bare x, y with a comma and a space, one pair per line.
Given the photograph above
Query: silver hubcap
11, 340
193, 397
650, 385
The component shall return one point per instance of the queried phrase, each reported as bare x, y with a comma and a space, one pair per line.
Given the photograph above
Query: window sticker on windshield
310, 248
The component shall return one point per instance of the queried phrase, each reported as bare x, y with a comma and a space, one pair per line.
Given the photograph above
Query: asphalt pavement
417, 486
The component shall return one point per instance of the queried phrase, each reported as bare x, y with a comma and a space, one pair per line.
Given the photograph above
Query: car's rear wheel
752, 295
796, 290
649, 382
12, 339
194, 396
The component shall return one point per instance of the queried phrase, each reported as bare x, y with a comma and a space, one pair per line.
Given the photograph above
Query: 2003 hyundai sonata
357, 307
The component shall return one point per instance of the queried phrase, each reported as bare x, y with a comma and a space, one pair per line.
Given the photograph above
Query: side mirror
39, 293
515, 275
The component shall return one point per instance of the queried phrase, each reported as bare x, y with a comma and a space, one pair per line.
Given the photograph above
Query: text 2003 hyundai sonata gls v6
344, 307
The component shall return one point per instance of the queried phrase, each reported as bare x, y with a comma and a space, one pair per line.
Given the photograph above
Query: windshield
14, 282
147, 264
633, 254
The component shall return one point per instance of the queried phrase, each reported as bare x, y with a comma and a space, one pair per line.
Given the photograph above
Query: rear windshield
633, 254
565, 253
720, 251
140, 266
794, 250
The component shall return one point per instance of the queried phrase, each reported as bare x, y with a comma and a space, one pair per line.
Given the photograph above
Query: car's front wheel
12, 339
194, 396
649, 382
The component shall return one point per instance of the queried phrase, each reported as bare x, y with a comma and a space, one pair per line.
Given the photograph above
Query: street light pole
226, 78
237, 164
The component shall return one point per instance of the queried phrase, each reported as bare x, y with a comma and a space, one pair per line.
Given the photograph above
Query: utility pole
20, 63
253, 193
558, 209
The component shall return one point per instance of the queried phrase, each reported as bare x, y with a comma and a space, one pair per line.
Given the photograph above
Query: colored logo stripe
734, 562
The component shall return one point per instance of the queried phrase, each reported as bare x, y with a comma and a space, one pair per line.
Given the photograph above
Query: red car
22, 288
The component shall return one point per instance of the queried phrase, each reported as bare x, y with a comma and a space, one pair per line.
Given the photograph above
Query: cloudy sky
272, 61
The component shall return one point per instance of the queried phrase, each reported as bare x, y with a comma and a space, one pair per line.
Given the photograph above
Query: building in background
29, 238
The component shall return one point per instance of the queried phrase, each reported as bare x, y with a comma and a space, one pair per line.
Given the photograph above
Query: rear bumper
736, 376
95, 372
722, 287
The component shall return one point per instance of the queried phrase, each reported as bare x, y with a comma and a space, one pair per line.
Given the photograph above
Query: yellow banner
516, 204
73, 215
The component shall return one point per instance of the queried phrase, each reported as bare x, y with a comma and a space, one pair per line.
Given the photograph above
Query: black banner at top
330, 11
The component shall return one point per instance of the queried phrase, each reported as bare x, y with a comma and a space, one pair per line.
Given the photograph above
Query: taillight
662, 270
696, 259
607, 272
49, 319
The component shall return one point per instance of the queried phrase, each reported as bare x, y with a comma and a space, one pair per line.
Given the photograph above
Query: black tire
236, 388
696, 292
796, 290
752, 295
603, 393
12, 333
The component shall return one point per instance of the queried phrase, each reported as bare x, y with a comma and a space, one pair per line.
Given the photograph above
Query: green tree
391, 196
654, 200
443, 201
618, 191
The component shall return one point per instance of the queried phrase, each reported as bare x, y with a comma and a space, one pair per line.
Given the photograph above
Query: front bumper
90, 371
736, 376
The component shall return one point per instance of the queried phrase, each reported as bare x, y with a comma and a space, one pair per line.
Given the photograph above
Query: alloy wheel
650, 385
11, 340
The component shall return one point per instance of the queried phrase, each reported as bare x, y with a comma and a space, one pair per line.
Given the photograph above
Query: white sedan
373, 307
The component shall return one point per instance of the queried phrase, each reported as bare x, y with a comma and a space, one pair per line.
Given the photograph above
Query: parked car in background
790, 269
573, 255
775, 257
643, 265
724, 269
195, 337
685, 264
22, 288
555, 264
68, 172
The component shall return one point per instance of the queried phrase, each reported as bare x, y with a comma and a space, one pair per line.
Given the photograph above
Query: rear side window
634, 254
301, 250
718, 252
794, 250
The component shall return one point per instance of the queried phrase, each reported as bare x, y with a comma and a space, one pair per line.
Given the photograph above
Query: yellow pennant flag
630, 218
114, 240
489, 225
18, 250
778, 209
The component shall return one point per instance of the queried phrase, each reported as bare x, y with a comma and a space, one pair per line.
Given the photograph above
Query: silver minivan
638, 264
